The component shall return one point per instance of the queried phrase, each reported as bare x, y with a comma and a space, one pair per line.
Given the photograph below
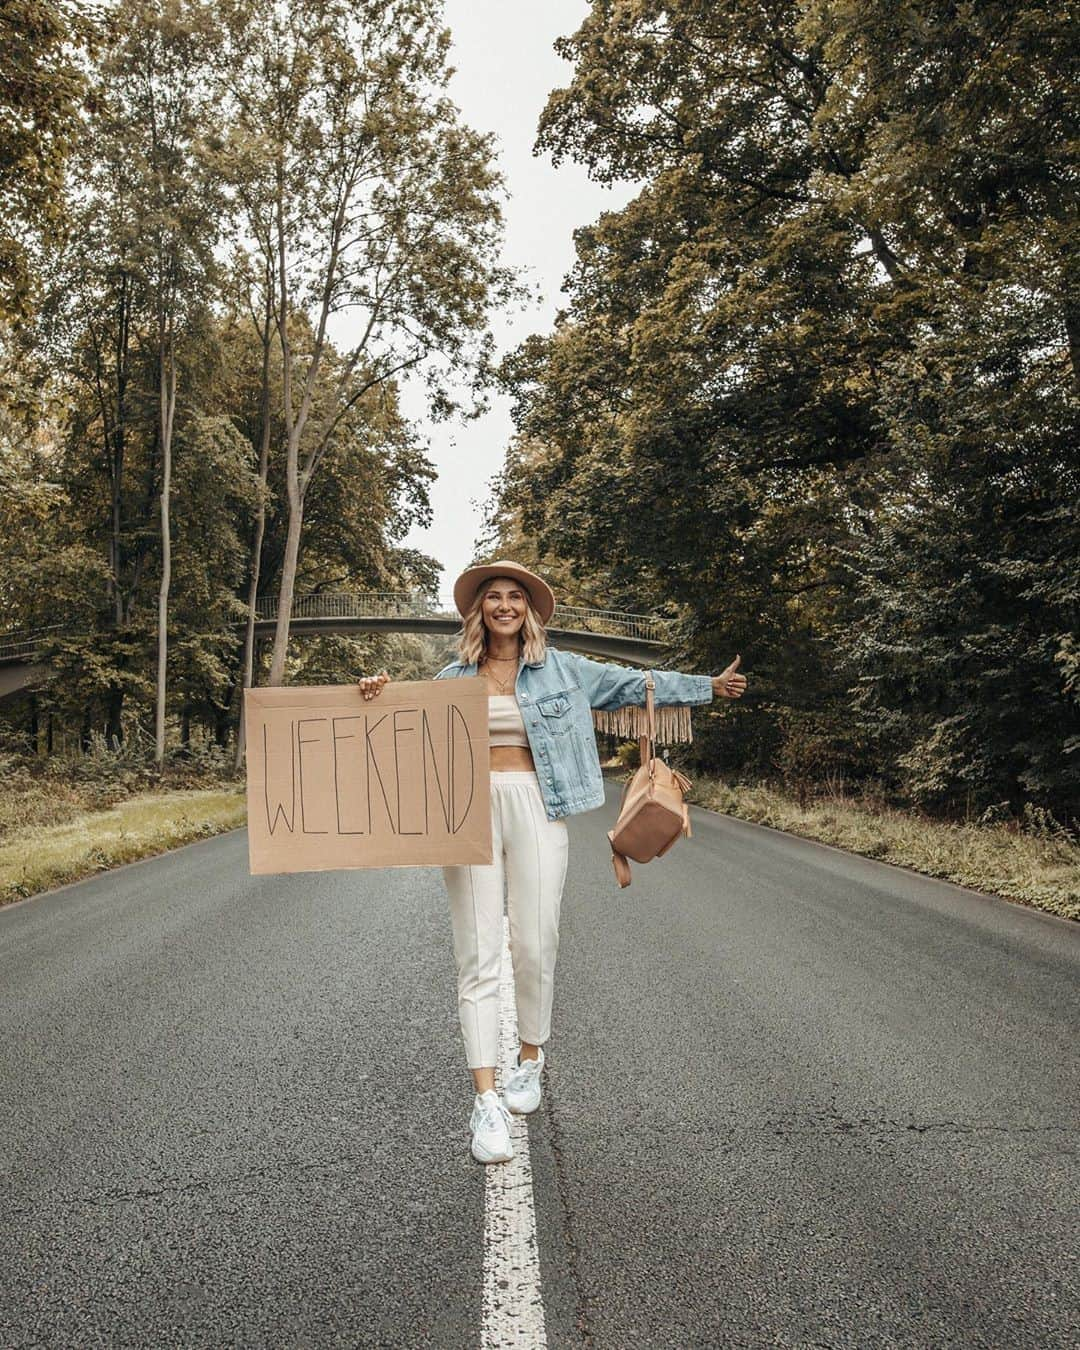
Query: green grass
41, 856
1042, 871
62, 840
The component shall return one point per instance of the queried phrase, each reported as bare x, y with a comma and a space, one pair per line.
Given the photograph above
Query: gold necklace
499, 684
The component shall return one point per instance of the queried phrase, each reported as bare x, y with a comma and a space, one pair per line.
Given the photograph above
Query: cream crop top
505, 724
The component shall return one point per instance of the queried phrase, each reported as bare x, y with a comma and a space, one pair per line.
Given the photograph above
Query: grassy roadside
1040, 870
41, 856
65, 840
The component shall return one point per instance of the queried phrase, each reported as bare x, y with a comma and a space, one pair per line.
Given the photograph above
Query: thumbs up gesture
728, 684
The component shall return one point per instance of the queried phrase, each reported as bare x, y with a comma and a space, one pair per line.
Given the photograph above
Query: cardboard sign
337, 780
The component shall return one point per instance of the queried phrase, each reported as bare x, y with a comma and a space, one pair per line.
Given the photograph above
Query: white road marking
513, 1312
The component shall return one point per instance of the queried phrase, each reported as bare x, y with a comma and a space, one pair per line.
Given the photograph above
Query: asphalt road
794, 1097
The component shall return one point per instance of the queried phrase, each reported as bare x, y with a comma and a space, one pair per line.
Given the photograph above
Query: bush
50, 791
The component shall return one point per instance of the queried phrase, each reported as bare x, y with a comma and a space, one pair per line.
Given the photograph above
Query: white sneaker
521, 1091
490, 1125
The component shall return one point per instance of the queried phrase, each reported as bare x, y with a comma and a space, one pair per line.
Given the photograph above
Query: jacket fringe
630, 722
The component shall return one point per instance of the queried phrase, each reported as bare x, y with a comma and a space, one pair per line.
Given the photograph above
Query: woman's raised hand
370, 685
728, 684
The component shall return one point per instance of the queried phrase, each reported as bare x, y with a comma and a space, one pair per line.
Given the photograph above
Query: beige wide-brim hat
540, 593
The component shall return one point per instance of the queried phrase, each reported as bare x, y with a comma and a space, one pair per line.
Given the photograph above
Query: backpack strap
647, 742
618, 861
646, 749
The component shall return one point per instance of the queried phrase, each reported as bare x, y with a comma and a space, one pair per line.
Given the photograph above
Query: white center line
513, 1312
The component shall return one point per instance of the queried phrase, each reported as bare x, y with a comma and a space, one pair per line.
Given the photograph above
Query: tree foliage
153, 259
41, 83
816, 386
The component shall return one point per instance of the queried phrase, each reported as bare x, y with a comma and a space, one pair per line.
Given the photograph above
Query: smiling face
502, 606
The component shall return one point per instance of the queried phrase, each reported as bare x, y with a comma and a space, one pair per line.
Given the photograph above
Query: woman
544, 767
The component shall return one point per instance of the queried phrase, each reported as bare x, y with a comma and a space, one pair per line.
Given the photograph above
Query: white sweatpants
530, 855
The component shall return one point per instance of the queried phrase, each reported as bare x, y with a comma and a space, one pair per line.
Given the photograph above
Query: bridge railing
26, 641
615, 621
348, 605
391, 605
405, 604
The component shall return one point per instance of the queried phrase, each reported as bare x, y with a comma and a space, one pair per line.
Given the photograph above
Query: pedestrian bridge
635, 639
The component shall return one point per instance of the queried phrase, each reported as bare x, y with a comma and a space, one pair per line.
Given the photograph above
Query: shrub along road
794, 1097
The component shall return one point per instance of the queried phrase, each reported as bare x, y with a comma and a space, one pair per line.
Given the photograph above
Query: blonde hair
472, 636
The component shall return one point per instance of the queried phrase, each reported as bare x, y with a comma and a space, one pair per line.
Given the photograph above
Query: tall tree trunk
288, 579
116, 560
295, 422
260, 517
168, 411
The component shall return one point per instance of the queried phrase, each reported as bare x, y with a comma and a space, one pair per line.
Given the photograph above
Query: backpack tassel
672, 721
685, 784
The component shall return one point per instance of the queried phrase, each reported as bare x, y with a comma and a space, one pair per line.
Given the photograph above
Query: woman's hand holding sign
370, 685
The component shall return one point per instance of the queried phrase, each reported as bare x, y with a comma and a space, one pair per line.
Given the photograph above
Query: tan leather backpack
652, 813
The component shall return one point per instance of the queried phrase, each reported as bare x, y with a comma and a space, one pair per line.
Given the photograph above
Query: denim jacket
556, 696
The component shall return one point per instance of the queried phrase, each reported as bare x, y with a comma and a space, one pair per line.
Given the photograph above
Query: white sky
505, 69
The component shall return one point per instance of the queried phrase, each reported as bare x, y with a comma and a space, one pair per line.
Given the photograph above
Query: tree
154, 81
137, 367
256, 292
216, 493
847, 269
383, 206
41, 84
709, 378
